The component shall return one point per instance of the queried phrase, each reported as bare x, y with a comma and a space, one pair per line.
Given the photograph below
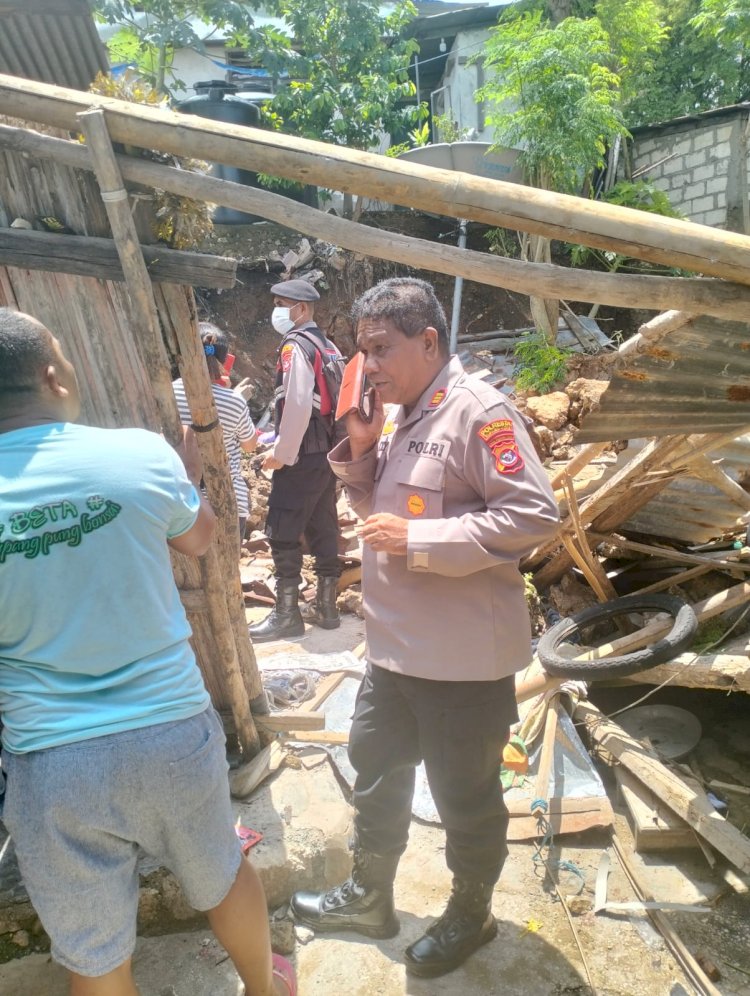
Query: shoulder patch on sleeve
499, 437
287, 352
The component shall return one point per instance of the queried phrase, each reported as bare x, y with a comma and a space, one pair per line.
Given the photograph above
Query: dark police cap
296, 290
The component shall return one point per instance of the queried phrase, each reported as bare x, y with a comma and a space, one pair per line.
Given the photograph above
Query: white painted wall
461, 81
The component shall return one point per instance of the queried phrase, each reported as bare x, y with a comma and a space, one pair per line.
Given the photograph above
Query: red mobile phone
355, 394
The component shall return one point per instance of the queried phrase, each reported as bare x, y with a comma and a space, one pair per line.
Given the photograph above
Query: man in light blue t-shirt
110, 743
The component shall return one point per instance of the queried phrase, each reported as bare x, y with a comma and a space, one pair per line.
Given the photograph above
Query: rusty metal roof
690, 380
53, 41
688, 510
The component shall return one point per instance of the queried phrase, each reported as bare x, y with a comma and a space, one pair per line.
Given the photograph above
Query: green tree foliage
703, 64
152, 30
348, 71
560, 90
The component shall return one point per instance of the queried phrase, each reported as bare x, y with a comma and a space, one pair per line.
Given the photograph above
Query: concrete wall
702, 164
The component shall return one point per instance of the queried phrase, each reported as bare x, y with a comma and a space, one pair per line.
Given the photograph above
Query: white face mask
282, 320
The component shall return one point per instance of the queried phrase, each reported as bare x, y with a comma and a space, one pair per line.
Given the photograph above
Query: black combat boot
285, 620
466, 925
323, 611
363, 903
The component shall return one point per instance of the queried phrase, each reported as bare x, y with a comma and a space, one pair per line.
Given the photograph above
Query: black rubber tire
682, 632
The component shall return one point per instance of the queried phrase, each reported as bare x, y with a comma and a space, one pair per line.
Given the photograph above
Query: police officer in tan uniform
303, 490
452, 495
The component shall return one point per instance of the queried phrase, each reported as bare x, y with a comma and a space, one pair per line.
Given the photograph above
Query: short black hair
26, 350
409, 303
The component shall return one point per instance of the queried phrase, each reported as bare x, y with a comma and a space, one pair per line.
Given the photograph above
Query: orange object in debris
515, 756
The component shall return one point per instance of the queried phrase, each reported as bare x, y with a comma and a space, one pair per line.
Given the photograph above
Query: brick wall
702, 163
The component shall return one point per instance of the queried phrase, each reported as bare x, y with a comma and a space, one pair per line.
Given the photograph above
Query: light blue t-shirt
93, 636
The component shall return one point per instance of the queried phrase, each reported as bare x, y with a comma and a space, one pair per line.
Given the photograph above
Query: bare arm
198, 538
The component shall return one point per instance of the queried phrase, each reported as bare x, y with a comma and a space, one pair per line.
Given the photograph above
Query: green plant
348, 71
502, 242
447, 130
540, 366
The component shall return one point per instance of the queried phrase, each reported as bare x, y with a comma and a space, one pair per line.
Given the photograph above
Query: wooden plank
705, 296
690, 804
633, 233
291, 719
630, 489
706, 470
676, 579
566, 815
279, 722
88, 256
576, 465
330, 738
147, 331
678, 556
547, 755
655, 827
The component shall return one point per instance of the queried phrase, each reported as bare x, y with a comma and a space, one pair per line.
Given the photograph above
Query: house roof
433, 30
730, 110
53, 41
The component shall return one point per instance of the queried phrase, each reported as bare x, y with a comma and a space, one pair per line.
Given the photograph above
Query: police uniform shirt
298, 384
462, 470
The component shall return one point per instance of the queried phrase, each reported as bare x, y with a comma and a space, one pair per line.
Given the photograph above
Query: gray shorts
79, 813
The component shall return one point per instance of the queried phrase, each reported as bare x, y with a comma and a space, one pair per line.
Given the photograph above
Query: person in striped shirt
231, 406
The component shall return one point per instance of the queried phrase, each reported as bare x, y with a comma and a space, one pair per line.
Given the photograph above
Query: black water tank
216, 100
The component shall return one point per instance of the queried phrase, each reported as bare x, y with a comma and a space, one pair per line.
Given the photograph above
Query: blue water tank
216, 100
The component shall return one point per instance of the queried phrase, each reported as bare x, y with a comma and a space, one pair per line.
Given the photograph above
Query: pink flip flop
282, 969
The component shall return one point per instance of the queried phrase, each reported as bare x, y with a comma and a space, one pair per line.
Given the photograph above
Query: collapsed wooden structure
148, 325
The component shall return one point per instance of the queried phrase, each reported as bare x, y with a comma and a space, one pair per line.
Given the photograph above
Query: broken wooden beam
86, 256
655, 827
690, 804
724, 670
710, 297
459, 195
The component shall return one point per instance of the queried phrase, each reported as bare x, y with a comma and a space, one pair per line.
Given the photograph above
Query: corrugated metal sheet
688, 510
694, 379
53, 41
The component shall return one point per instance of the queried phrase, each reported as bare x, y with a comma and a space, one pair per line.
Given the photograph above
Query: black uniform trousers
303, 503
458, 728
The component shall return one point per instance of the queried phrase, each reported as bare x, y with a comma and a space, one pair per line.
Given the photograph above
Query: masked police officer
303, 491
452, 495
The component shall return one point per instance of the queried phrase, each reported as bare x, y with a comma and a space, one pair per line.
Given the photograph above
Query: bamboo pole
147, 330
633, 233
711, 297
546, 757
